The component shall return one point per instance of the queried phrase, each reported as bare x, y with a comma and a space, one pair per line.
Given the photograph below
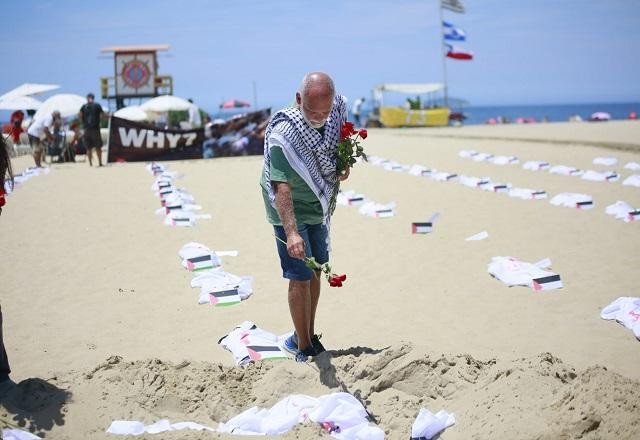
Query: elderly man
299, 182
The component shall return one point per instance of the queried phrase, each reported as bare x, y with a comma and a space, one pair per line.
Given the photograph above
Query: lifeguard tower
135, 74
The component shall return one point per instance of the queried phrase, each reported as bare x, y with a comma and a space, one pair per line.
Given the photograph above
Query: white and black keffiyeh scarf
310, 154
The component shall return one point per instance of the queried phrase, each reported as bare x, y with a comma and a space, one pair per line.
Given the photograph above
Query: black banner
242, 135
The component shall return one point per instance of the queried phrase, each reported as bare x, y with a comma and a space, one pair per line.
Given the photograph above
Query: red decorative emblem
135, 74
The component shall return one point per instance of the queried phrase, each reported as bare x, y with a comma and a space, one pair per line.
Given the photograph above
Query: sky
525, 52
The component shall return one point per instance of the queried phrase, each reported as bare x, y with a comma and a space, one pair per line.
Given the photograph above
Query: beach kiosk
135, 74
431, 112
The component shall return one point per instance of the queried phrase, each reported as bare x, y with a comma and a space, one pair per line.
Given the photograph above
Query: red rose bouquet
349, 148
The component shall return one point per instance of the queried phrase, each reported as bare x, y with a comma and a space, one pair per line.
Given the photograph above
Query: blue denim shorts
315, 245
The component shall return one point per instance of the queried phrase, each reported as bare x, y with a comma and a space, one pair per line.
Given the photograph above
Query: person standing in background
90, 115
357, 110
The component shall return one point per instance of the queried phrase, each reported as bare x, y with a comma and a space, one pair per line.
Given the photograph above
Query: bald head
317, 84
315, 98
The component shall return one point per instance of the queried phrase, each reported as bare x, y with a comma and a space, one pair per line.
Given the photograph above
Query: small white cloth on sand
623, 211
496, 187
341, 413
196, 257
632, 180
479, 236
428, 425
474, 182
443, 176
249, 343
635, 166
378, 210
347, 198
216, 287
419, 170
535, 165
514, 272
18, 434
565, 170
395, 166
183, 218
527, 194
573, 200
132, 427
595, 176
626, 311
481, 157
178, 196
504, 160
608, 161
467, 153
177, 206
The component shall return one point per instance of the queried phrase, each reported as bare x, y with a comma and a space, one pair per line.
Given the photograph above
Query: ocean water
553, 112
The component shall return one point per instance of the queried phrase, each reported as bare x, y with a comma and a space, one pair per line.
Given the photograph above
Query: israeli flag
453, 33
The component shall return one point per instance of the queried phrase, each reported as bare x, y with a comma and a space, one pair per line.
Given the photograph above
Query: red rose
363, 133
336, 280
346, 130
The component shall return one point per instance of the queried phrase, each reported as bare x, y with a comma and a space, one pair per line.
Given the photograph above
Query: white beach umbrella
132, 113
28, 89
66, 103
18, 102
165, 103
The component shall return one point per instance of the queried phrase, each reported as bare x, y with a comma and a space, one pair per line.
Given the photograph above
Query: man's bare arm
284, 206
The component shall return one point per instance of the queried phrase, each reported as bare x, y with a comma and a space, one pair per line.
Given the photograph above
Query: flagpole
444, 59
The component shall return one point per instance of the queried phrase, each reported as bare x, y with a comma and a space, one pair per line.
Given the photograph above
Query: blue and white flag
453, 33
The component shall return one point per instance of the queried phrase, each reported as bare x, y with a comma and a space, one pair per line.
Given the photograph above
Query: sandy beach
100, 323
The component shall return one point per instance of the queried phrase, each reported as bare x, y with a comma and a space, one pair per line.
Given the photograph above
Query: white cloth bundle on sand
528, 194
347, 198
18, 434
632, 180
467, 153
221, 288
481, 157
573, 200
249, 343
132, 427
341, 414
595, 176
473, 182
514, 272
428, 425
565, 170
626, 311
535, 165
504, 160
622, 210
608, 161
496, 187
443, 176
419, 170
183, 218
378, 210
196, 256
635, 166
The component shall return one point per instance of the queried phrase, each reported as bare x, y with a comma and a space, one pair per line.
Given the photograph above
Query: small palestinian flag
224, 298
546, 283
421, 227
202, 262
261, 352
